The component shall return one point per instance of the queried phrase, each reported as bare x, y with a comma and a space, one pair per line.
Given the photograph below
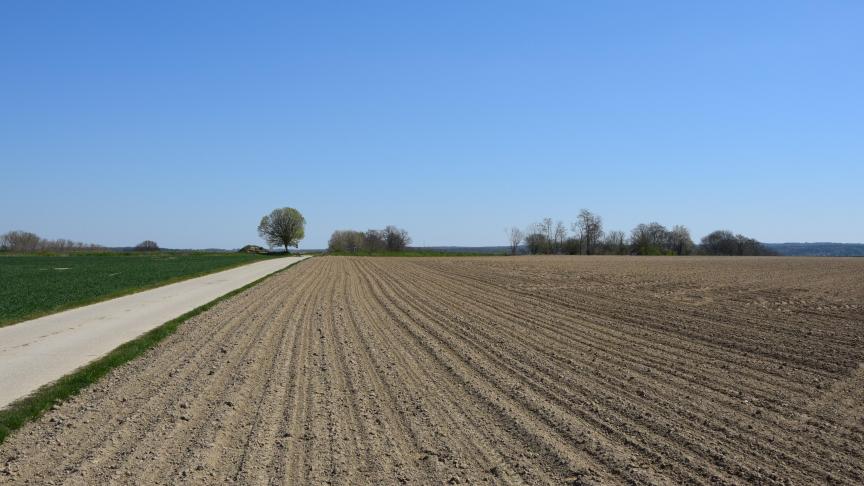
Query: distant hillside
818, 249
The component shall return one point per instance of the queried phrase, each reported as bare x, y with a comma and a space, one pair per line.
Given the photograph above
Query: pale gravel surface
502, 370
36, 352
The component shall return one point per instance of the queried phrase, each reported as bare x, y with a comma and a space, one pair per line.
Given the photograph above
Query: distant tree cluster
348, 241
656, 239
26, 242
588, 237
390, 238
147, 245
723, 242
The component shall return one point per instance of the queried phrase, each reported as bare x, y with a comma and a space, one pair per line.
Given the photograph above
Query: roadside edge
123, 293
26, 409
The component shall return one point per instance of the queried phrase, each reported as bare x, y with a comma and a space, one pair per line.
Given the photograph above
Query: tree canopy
282, 227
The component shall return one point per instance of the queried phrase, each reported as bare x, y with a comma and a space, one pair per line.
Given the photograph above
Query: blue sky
185, 122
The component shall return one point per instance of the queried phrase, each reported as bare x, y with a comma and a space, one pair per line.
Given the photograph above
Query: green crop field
31, 285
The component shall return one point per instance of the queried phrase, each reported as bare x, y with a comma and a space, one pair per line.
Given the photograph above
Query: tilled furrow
759, 439
445, 430
208, 404
547, 370
661, 362
747, 325
731, 442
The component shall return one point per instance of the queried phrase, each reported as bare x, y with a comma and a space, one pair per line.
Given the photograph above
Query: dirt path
535, 370
36, 352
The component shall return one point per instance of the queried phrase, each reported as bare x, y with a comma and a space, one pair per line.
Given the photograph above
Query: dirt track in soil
506, 370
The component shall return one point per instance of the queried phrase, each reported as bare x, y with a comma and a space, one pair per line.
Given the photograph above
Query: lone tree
282, 227
147, 245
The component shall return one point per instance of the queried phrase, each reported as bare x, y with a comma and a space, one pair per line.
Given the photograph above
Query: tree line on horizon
590, 238
390, 239
27, 242
285, 227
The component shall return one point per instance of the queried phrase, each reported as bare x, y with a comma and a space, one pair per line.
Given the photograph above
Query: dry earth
507, 370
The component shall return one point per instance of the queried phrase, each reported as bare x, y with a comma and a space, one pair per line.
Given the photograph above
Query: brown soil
506, 370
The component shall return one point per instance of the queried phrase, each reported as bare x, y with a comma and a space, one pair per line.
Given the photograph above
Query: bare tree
590, 228
282, 227
539, 237
515, 235
680, 241
147, 245
559, 236
615, 243
546, 229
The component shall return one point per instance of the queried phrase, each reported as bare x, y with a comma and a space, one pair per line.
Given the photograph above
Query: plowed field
508, 370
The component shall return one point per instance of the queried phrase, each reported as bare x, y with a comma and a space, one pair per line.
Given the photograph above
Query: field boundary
124, 292
20, 412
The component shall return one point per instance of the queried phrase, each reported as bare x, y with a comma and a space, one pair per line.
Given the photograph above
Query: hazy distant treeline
390, 238
26, 242
589, 237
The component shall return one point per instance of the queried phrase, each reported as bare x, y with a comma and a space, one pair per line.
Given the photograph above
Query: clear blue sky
185, 122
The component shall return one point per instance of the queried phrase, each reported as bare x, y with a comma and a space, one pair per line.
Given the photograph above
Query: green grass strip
31, 407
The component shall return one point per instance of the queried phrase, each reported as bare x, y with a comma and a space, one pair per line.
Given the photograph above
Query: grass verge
31, 407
